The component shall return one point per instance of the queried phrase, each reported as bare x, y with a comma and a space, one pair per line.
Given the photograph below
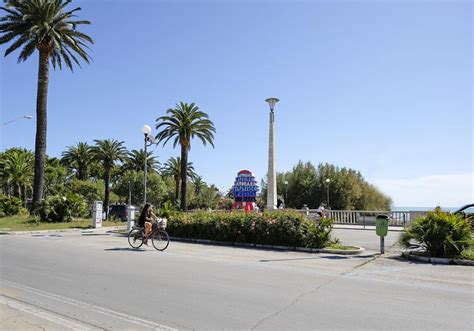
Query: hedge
282, 228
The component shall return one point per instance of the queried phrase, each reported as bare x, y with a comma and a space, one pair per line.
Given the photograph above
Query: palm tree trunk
184, 173
176, 189
80, 173
41, 125
25, 196
107, 192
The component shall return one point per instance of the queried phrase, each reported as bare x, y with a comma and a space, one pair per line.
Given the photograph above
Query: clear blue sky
384, 87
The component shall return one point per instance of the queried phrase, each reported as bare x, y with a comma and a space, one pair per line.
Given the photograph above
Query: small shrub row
438, 234
282, 228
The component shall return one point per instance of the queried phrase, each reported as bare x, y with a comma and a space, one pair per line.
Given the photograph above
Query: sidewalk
17, 315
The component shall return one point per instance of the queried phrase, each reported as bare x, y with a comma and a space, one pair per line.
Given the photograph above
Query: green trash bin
381, 225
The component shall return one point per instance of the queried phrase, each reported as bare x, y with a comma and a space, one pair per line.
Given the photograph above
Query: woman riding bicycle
146, 220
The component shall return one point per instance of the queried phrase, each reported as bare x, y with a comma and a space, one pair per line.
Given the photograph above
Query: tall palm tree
108, 152
182, 124
79, 158
172, 168
46, 26
16, 171
136, 161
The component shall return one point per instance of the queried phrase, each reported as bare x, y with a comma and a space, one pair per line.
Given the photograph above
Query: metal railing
365, 217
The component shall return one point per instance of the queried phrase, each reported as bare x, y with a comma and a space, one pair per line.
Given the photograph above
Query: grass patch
341, 247
29, 223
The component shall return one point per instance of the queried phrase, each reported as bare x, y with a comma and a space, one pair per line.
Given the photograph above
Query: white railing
365, 217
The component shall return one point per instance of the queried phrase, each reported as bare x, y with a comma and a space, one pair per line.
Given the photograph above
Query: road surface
74, 280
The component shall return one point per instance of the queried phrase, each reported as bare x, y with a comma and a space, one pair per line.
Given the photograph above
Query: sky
384, 87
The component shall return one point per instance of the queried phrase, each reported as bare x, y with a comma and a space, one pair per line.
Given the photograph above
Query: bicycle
159, 237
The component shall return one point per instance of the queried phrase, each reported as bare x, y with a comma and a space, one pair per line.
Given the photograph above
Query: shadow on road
125, 249
95, 234
329, 257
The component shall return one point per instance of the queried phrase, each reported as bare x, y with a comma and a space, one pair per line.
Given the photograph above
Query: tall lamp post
272, 187
286, 192
328, 181
146, 129
28, 117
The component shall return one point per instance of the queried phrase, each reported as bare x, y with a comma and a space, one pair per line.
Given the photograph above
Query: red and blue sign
244, 190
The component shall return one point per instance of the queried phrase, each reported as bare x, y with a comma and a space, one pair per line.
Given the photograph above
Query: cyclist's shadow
129, 249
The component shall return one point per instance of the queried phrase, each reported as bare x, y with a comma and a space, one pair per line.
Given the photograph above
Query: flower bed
279, 228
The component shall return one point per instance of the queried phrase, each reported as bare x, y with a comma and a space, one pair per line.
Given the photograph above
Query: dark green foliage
16, 172
282, 228
10, 206
62, 208
348, 190
167, 210
158, 190
55, 176
89, 191
318, 234
79, 158
135, 161
108, 152
439, 234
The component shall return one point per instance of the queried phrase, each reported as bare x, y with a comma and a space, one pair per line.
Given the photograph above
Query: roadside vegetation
280, 228
440, 234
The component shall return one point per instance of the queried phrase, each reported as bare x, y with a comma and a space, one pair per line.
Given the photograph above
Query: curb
270, 247
436, 260
104, 229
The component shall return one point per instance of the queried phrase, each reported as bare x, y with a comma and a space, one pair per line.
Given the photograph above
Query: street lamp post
28, 117
272, 188
327, 182
146, 129
286, 192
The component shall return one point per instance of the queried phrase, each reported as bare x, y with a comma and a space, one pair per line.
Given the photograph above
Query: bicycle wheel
135, 238
160, 240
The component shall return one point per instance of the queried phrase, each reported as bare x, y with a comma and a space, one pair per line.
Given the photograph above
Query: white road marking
84, 305
63, 322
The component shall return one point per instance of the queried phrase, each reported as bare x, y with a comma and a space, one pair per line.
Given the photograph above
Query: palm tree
46, 26
108, 152
182, 124
136, 161
79, 158
199, 185
172, 168
16, 171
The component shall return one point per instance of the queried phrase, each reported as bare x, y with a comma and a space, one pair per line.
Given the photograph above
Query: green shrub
167, 209
439, 234
11, 206
319, 234
282, 228
62, 208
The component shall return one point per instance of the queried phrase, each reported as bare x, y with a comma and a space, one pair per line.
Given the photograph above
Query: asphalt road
76, 280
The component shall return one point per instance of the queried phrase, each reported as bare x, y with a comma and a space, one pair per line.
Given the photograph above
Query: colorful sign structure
245, 191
